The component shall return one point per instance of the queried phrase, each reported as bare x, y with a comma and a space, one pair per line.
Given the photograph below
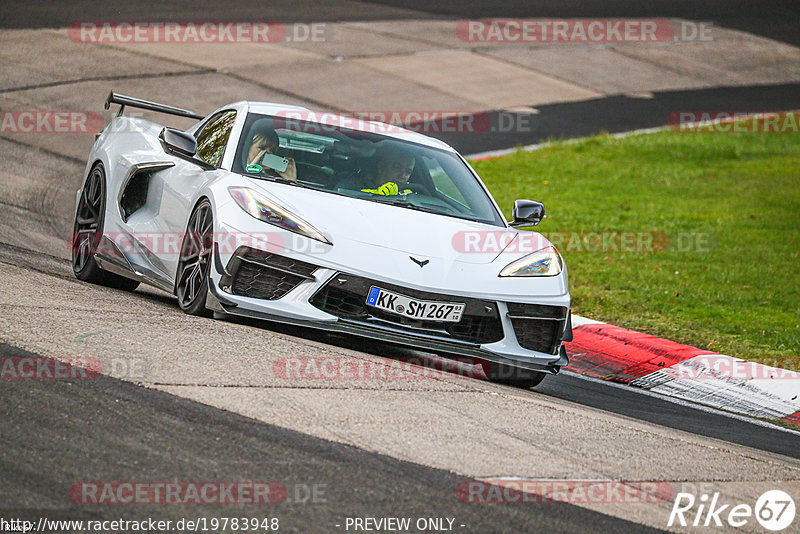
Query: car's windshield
363, 165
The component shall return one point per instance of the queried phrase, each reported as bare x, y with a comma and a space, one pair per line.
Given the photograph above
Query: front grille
345, 296
538, 327
262, 275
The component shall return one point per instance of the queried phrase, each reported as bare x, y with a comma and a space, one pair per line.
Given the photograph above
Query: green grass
737, 294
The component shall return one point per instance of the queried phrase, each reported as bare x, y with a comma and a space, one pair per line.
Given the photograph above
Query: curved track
215, 406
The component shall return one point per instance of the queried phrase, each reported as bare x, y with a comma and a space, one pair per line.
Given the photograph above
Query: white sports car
322, 220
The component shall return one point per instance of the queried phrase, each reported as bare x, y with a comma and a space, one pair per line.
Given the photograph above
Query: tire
191, 280
512, 376
88, 231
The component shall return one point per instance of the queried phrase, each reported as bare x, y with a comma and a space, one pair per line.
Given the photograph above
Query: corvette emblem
422, 263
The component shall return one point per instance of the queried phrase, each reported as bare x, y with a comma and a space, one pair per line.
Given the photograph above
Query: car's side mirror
181, 145
527, 213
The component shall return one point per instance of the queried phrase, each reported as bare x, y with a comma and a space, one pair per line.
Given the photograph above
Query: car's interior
345, 162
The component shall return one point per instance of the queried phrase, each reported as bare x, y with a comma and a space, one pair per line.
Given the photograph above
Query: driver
392, 171
264, 140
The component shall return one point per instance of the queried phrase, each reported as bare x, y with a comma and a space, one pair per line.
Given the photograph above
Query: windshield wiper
281, 180
409, 205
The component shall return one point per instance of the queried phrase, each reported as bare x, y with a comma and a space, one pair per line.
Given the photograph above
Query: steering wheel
420, 189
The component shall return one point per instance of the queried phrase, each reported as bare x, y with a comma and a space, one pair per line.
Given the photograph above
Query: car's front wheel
88, 231
513, 376
191, 284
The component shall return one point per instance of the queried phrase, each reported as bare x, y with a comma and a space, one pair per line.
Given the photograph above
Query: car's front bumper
294, 306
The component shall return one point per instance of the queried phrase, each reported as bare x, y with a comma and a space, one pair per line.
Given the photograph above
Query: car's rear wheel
191, 285
88, 231
512, 376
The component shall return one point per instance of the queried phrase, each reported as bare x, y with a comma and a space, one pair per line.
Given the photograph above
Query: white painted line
728, 383
685, 403
577, 320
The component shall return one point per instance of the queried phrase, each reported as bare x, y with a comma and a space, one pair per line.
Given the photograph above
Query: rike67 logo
774, 510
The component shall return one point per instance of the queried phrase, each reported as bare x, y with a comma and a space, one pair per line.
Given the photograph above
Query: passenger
264, 140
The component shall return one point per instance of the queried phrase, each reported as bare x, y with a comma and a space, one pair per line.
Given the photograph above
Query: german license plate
426, 310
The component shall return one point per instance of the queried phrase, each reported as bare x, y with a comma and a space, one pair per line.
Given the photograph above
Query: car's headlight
264, 209
545, 262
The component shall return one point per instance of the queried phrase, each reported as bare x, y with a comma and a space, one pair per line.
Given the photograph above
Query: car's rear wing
122, 100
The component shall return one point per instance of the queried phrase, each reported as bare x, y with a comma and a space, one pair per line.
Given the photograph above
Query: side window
214, 136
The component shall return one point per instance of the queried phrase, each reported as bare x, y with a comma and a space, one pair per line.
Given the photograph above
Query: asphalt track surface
58, 432
625, 401
170, 438
777, 19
